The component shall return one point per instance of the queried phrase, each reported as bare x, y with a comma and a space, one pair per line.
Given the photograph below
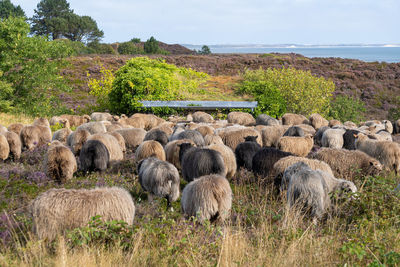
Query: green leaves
345, 108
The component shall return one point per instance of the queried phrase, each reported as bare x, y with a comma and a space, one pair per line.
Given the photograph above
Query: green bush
129, 48
345, 108
142, 78
287, 90
101, 48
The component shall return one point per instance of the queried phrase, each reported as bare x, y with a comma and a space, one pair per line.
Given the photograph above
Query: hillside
377, 84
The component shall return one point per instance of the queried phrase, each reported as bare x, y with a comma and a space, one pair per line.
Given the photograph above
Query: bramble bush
345, 108
142, 78
287, 90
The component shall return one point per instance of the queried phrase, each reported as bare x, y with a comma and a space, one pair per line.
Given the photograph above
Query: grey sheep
61, 135
349, 163
294, 131
200, 116
271, 134
58, 210
264, 119
196, 162
94, 156
207, 198
241, 118
93, 127
133, 137
193, 135
76, 140
333, 138
59, 162
159, 178
157, 135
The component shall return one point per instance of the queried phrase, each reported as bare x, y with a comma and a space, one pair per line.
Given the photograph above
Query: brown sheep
120, 139
299, 146
149, 148
172, 151
166, 127
205, 130
334, 123
62, 135
145, 121
133, 137
14, 143
4, 148
234, 138
229, 158
58, 210
3, 129
241, 118
111, 144
212, 139
294, 119
317, 121
200, 116
15, 127
76, 120
60, 121
270, 135
32, 136
114, 127
76, 140
59, 162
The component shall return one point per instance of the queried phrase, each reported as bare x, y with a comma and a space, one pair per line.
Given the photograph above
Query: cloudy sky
242, 22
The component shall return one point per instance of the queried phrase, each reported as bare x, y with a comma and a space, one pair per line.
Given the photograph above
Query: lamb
205, 130
172, 151
76, 140
229, 158
200, 116
159, 178
271, 135
148, 149
4, 148
318, 135
14, 143
241, 118
245, 152
157, 135
317, 121
349, 163
207, 198
76, 120
58, 210
388, 153
264, 119
212, 139
33, 135
193, 135
197, 162
93, 127
133, 137
293, 119
59, 163
62, 135
333, 138
94, 156
234, 138
299, 146
15, 127
294, 131
265, 158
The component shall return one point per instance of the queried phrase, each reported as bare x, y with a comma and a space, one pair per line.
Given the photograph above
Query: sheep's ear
355, 135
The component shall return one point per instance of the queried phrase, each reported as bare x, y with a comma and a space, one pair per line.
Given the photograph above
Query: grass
9, 118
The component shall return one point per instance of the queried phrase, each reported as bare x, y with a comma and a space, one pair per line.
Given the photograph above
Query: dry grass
9, 118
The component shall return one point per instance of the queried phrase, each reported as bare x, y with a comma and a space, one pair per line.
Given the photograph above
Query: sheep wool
148, 149
59, 163
4, 147
228, 157
299, 146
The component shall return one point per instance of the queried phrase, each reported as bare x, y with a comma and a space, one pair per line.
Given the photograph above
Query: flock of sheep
301, 157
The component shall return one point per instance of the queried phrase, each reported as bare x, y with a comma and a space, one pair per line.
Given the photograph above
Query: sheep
334, 123
15, 127
333, 138
61, 135
317, 121
58, 210
149, 148
177, 130
94, 156
200, 116
76, 140
293, 119
241, 118
299, 146
396, 127
114, 127
228, 156
196, 162
3, 129
234, 138
159, 178
14, 143
349, 163
318, 135
59, 163
265, 158
32, 136
156, 135
205, 130
60, 121
172, 151
166, 127
350, 124
133, 137
102, 116
212, 139
144, 121
294, 131
271, 135
383, 135
264, 119
192, 135
75, 120
388, 153
4, 148
307, 129
93, 127
245, 151
120, 140
113, 147
349, 140
207, 198
41, 122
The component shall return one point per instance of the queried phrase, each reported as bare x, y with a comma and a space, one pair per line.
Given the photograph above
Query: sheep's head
375, 167
86, 118
251, 138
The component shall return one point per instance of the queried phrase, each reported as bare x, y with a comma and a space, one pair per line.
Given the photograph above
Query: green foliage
287, 89
101, 48
99, 232
100, 88
129, 48
6, 91
82, 28
31, 65
345, 108
151, 46
7, 9
77, 47
135, 40
143, 78
205, 50
394, 113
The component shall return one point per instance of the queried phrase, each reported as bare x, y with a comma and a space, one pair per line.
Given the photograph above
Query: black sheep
94, 156
245, 151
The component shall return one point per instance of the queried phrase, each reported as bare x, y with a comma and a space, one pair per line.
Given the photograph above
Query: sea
368, 53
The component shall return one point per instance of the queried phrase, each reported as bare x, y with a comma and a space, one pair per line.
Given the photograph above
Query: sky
242, 21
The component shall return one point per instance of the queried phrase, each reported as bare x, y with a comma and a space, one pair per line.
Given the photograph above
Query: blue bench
201, 105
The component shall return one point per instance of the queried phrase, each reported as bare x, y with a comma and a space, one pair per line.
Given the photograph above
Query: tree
135, 40
151, 46
7, 9
82, 28
205, 50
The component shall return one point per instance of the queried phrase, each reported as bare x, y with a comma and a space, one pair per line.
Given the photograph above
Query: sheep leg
169, 206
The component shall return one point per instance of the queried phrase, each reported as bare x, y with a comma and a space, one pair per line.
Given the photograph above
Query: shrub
345, 108
143, 78
129, 48
100, 88
101, 48
296, 90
